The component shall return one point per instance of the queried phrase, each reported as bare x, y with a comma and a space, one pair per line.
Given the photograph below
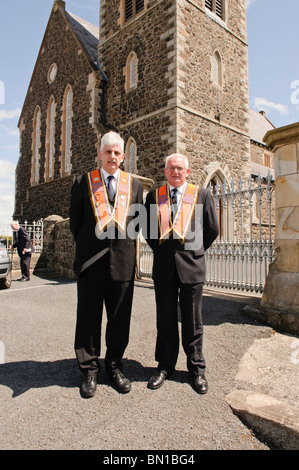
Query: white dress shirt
179, 192
114, 181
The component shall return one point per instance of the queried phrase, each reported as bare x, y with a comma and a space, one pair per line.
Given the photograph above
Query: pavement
252, 371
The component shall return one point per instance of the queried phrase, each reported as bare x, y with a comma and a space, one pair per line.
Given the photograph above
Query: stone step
276, 421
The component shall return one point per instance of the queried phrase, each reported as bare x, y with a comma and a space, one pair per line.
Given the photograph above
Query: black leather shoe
200, 384
89, 386
122, 384
157, 380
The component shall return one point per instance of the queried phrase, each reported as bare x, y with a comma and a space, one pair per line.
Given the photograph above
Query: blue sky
273, 38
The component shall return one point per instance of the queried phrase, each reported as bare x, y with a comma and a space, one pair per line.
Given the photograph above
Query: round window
52, 73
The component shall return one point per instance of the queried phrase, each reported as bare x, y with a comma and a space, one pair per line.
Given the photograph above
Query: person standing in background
25, 248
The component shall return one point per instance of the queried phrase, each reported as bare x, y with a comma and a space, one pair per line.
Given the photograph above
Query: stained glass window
36, 145
132, 158
52, 139
133, 71
68, 130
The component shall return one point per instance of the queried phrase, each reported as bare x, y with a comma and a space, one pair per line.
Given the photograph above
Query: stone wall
213, 147
257, 152
64, 253
152, 146
59, 46
58, 248
176, 106
144, 111
199, 36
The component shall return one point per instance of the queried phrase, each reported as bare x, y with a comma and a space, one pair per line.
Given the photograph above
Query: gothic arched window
217, 69
36, 142
66, 153
131, 156
131, 72
50, 140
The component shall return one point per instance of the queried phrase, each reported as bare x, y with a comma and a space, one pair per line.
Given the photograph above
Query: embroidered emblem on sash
183, 217
103, 212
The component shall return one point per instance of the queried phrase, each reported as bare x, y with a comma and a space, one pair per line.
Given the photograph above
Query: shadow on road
25, 375
218, 308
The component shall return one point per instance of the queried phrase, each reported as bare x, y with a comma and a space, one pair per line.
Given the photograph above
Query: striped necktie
173, 196
110, 188
173, 203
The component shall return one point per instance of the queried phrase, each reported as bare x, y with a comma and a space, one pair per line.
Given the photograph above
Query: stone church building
169, 76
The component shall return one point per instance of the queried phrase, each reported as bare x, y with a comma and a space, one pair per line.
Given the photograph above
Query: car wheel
6, 282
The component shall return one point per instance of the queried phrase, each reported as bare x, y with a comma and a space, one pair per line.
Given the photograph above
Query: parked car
5, 267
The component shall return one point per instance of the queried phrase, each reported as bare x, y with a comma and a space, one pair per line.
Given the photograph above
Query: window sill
216, 18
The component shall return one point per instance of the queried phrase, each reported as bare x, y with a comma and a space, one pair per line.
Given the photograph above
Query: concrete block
276, 421
281, 291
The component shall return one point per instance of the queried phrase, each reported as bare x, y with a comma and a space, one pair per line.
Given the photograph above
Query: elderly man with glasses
181, 225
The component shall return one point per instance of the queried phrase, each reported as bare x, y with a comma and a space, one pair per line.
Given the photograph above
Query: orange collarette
104, 214
183, 217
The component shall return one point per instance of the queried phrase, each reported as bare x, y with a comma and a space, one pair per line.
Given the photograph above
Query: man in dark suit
105, 258
181, 225
24, 247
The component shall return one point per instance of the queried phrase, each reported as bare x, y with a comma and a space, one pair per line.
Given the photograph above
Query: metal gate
240, 257
35, 231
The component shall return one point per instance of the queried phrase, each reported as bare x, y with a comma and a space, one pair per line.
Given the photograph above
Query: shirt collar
179, 189
105, 174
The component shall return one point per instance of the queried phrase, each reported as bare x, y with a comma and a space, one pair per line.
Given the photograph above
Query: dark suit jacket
171, 255
82, 225
23, 241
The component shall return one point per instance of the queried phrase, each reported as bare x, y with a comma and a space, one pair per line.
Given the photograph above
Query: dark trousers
167, 346
25, 260
95, 288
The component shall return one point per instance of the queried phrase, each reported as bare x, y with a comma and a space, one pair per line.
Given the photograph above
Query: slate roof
87, 33
259, 125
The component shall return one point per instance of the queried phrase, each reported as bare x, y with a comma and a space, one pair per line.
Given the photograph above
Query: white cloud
262, 104
6, 212
10, 131
7, 170
7, 191
249, 3
9, 147
14, 113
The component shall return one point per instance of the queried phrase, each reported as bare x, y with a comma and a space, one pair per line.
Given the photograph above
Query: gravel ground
41, 408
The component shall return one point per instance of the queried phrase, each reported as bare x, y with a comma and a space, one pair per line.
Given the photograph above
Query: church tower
177, 81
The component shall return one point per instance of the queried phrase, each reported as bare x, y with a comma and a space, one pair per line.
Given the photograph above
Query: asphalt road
41, 407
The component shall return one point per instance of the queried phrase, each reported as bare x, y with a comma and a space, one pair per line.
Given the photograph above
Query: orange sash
183, 217
102, 210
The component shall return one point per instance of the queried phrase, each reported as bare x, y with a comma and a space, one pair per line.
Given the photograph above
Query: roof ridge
83, 22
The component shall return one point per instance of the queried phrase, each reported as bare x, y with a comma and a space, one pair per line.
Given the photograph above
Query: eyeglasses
178, 168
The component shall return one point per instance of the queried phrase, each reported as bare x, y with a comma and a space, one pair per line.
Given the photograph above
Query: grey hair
177, 155
112, 138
